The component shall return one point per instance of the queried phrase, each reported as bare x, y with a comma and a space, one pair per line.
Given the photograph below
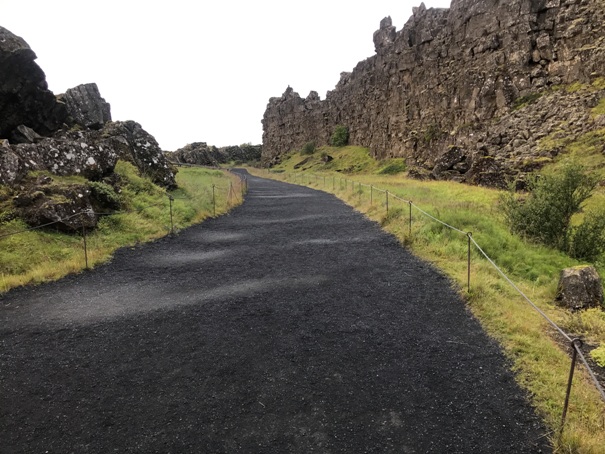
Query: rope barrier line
400, 199
553, 324
80, 213
438, 220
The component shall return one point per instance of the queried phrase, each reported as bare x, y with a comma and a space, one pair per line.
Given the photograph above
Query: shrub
104, 194
545, 215
340, 136
588, 240
394, 167
308, 148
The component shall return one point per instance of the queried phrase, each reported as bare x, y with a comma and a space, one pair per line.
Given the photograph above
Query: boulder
23, 134
24, 95
68, 207
132, 143
453, 157
84, 153
86, 106
11, 165
198, 153
579, 287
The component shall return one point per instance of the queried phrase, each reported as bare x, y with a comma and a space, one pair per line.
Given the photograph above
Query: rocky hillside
42, 135
473, 93
200, 153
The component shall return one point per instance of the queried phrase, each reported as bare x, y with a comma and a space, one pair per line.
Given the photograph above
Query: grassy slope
42, 255
541, 364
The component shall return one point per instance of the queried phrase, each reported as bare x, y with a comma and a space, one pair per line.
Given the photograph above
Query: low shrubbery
545, 214
308, 148
340, 136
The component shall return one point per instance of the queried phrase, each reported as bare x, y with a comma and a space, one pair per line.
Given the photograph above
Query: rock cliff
64, 135
468, 92
200, 153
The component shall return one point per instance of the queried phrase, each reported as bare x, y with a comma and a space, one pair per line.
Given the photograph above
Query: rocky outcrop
481, 78
200, 153
580, 287
70, 136
68, 208
89, 153
24, 95
132, 143
86, 107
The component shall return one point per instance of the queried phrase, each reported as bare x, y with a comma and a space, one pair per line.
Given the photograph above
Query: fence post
469, 234
170, 198
387, 198
371, 194
85, 246
213, 202
574, 357
410, 232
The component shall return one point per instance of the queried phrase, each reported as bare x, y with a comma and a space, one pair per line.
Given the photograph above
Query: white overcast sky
200, 71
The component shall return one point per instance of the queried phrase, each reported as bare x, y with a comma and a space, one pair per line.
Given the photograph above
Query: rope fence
231, 195
575, 343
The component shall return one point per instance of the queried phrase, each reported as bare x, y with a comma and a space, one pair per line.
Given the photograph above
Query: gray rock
69, 208
23, 134
200, 153
12, 169
84, 153
580, 287
132, 143
24, 95
86, 106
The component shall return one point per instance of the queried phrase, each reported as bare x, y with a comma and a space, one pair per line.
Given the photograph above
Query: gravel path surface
293, 324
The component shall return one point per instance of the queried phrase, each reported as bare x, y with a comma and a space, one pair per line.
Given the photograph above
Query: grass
41, 255
539, 360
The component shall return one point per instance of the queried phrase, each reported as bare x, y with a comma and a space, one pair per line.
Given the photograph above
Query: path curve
291, 325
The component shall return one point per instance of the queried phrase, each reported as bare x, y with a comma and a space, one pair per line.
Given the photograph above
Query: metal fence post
574, 357
170, 198
410, 231
469, 234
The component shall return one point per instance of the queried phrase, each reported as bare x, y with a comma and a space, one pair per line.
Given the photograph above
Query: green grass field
41, 255
540, 360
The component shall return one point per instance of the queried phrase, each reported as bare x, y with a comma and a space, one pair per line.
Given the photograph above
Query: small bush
104, 194
394, 167
308, 148
340, 136
588, 241
545, 215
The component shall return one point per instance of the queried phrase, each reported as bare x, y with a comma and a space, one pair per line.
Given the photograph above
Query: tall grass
41, 255
541, 361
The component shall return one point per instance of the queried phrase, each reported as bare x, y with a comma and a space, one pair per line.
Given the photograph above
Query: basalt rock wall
447, 91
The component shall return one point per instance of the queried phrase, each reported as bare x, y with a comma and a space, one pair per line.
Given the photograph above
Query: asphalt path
291, 325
